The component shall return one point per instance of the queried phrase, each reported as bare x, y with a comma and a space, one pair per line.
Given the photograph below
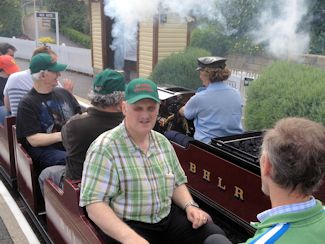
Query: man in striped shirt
133, 186
292, 168
20, 83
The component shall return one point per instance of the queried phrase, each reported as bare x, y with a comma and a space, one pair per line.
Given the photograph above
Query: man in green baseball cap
133, 185
81, 130
139, 89
108, 81
44, 61
43, 111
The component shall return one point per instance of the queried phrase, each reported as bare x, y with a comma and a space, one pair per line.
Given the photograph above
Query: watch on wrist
191, 203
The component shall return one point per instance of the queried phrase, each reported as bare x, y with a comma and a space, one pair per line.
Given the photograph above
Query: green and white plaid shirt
137, 186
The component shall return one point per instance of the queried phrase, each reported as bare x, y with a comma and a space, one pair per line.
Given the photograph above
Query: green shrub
211, 39
179, 69
285, 89
77, 36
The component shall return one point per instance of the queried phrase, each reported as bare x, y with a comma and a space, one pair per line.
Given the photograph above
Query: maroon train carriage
227, 177
7, 158
66, 221
224, 174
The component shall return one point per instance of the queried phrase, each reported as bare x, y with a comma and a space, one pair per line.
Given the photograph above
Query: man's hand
135, 240
197, 216
68, 85
181, 111
105, 218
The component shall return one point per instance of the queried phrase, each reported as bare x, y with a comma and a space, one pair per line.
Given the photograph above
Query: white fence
78, 59
239, 80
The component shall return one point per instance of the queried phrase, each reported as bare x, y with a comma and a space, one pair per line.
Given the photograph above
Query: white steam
279, 29
128, 13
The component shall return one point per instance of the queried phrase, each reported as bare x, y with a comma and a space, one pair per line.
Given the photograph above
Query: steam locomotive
223, 176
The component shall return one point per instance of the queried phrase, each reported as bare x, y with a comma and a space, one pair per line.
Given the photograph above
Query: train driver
217, 109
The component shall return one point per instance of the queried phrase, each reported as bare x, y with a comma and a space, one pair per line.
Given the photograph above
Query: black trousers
178, 137
175, 228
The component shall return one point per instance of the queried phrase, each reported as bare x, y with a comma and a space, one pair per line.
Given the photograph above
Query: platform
13, 226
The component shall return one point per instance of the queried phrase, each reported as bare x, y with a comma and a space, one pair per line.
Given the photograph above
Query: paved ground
82, 82
14, 227
4, 234
44, 31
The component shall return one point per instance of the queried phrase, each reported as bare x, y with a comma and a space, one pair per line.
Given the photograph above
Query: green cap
139, 89
44, 61
108, 81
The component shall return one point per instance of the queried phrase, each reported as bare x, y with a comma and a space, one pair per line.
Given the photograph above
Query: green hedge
77, 36
179, 69
285, 89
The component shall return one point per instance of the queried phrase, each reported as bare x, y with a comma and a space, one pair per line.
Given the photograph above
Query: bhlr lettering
206, 175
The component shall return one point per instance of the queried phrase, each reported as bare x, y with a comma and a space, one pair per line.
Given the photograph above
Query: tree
10, 18
232, 36
317, 17
241, 17
72, 14
212, 39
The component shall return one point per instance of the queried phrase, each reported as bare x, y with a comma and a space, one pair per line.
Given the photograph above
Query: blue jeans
3, 113
55, 173
47, 156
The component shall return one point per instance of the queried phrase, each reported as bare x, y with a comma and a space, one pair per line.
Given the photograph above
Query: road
44, 31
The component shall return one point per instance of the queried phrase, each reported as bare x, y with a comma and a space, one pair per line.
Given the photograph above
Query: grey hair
296, 150
36, 76
100, 100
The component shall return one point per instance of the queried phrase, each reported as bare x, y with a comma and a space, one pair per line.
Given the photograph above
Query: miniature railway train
223, 176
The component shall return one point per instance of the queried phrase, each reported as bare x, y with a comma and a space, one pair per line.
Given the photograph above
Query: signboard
46, 18
46, 15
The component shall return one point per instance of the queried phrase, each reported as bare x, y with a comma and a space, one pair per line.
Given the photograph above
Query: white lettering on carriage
239, 193
208, 176
192, 167
223, 187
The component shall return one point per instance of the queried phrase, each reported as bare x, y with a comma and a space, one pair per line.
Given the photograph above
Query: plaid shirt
136, 185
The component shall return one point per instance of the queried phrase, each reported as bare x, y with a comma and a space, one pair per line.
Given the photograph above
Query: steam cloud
279, 29
128, 13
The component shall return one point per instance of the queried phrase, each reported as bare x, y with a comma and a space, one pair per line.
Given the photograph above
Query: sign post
47, 16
